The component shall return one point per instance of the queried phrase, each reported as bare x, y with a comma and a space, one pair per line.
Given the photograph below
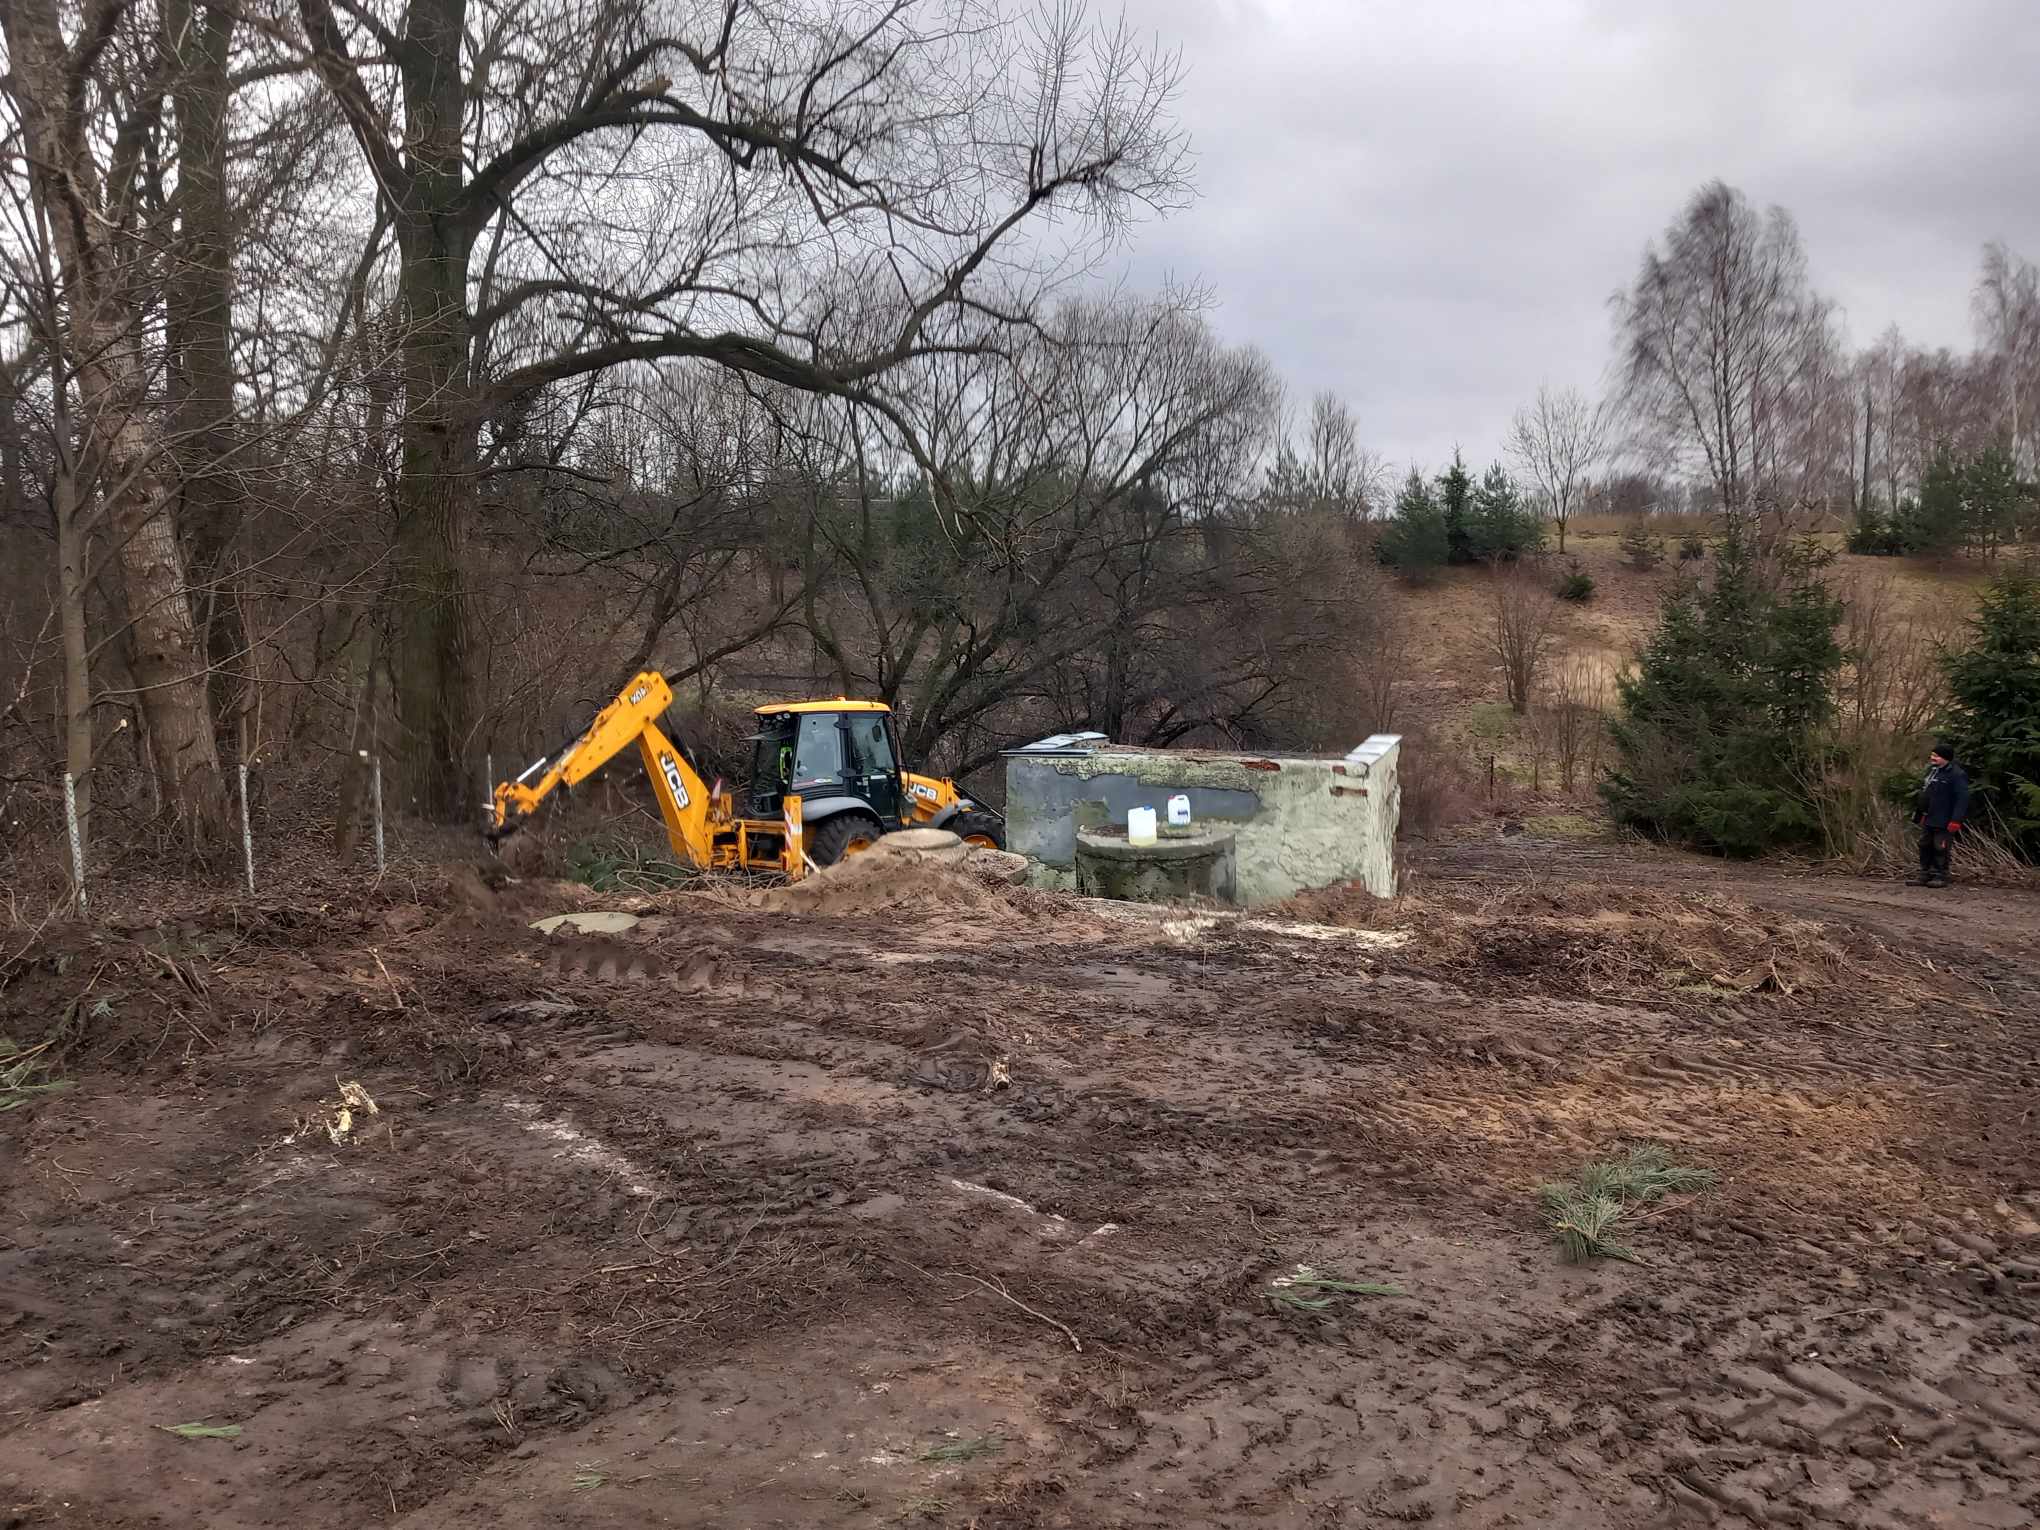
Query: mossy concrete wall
1297, 823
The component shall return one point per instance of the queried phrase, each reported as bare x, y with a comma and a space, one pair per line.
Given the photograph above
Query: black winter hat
1945, 750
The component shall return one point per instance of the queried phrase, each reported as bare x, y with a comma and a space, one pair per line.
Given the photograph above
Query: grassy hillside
1456, 699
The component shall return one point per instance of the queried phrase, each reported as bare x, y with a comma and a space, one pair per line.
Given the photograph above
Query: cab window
872, 748
818, 752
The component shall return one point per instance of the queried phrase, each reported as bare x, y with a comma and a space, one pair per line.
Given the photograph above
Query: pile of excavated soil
1570, 941
916, 868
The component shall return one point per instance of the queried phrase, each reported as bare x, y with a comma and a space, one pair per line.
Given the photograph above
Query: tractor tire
984, 831
846, 834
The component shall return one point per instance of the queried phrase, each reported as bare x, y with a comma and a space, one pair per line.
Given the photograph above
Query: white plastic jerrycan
1140, 825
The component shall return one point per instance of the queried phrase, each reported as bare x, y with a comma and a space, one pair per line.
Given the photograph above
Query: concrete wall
1297, 823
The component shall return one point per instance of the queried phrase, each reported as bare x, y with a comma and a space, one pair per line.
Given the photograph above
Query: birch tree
87, 97
1557, 441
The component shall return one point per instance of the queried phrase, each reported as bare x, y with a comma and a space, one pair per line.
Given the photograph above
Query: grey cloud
1427, 206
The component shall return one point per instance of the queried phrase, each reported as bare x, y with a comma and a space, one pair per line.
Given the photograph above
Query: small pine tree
1415, 542
1936, 521
1576, 584
1991, 500
1455, 499
1641, 548
1499, 523
1721, 725
1994, 719
1878, 536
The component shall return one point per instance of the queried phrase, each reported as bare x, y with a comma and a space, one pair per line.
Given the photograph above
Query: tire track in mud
824, 1112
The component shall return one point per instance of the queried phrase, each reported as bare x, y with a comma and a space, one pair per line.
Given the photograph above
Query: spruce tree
1936, 521
1455, 498
1500, 524
1414, 542
1722, 724
1994, 719
1991, 500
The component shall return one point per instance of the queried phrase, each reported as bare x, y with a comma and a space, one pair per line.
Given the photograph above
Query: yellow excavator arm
684, 800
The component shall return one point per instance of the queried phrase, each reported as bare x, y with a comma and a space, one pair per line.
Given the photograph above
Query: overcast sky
1425, 204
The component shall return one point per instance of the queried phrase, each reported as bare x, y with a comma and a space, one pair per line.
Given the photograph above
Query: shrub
1995, 716
1691, 549
1876, 536
1414, 542
1576, 584
1439, 788
1721, 726
1500, 526
1641, 548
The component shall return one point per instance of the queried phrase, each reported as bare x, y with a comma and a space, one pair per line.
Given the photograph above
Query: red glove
1954, 828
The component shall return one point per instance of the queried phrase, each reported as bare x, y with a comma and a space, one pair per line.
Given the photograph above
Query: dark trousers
1934, 847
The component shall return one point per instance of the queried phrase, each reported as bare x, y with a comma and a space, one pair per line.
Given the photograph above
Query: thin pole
77, 839
375, 799
247, 838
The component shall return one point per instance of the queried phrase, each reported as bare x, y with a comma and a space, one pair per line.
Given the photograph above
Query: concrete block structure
1297, 823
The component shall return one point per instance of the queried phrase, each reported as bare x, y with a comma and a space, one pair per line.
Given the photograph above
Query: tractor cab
833, 755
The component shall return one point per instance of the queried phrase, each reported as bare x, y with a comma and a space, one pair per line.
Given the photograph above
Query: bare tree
2007, 309
805, 194
1522, 611
1557, 441
1084, 463
1572, 716
1723, 340
198, 297
1331, 470
87, 105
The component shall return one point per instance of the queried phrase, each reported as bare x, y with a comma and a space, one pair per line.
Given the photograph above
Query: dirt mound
914, 869
1570, 941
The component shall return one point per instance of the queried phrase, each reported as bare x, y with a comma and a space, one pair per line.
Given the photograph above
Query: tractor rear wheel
844, 835
986, 831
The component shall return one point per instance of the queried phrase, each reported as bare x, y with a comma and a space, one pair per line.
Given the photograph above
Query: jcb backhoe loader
825, 783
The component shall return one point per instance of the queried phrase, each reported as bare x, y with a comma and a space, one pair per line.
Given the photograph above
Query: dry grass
23, 1075
1667, 524
1307, 1290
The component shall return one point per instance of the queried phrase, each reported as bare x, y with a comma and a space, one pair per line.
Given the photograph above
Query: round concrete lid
1190, 844
589, 922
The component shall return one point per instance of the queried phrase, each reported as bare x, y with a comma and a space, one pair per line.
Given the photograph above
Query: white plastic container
1179, 812
1140, 826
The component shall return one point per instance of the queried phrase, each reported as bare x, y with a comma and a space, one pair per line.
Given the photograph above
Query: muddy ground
745, 1219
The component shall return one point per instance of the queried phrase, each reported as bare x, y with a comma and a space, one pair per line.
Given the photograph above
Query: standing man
1943, 804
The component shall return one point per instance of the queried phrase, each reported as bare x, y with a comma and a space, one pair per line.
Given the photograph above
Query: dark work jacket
1944, 797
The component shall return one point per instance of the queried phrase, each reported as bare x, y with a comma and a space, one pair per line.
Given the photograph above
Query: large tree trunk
76, 736
170, 668
199, 295
99, 257
435, 481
